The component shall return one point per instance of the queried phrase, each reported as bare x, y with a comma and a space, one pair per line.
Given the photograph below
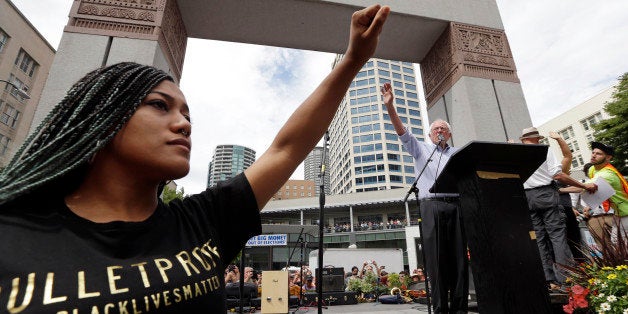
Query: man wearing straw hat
548, 219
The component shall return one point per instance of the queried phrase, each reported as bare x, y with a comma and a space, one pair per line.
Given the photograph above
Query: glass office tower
365, 151
228, 161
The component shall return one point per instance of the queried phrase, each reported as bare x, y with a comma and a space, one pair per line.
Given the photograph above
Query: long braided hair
57, 153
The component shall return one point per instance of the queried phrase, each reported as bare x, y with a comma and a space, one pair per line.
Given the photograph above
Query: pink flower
581, 302
578, 290
568, 308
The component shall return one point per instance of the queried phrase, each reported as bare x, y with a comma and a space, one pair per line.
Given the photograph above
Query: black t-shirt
53, 261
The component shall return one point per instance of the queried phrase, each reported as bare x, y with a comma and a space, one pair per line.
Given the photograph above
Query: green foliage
169, 194
371, 278
600, 282
614, 131
381, 289
355, 284
366, 286
611, 288
394, 280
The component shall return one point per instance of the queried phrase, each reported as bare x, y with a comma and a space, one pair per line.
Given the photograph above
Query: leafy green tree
169, 194
614, 131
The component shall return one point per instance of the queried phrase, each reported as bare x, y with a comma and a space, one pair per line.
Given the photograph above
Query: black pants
445, 250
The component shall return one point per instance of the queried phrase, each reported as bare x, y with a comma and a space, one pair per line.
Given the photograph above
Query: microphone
441, 137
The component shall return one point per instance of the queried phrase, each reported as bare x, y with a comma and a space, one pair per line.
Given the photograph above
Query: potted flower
600, 283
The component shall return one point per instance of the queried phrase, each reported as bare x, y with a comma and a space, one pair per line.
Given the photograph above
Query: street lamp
22, 93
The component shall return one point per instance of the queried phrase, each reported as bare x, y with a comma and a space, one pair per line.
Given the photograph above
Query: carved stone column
470, 80
466, 50
158, 20
104, 32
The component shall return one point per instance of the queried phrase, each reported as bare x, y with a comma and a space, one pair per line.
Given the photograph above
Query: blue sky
565, 53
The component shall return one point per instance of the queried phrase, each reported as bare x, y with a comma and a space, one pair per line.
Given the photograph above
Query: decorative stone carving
466, 50
174, 39
158, 20
120, 13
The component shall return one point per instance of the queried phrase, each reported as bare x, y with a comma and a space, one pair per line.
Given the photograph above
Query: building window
382, 64
567, 133
4, 144
10, 116
394, 157
14, 89
25, 63
4, 38
577, 161
588, 123
396, 179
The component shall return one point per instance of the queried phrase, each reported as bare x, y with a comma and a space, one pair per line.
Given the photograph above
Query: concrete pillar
407, 214
470, 80
351, 217
101, 33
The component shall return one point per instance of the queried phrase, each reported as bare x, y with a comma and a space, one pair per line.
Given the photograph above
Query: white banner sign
268, 240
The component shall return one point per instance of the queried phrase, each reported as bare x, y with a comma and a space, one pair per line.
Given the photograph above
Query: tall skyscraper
365, 151
312, 167
228, 161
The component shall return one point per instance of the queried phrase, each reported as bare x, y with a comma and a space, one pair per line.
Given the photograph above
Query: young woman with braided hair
83, 230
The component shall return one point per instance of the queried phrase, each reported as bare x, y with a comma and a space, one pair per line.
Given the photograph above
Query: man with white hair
445, 248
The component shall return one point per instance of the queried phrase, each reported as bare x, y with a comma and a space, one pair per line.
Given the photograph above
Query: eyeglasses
443, 128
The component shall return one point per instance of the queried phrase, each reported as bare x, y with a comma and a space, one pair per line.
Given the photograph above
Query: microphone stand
241, 283
321, 198
299, 241
415, 190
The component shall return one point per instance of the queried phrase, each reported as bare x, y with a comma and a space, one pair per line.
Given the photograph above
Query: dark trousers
445, 250
574, 239
550, 227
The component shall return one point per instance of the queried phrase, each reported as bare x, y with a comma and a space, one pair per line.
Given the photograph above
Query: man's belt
539, 187
600, 215
446, 199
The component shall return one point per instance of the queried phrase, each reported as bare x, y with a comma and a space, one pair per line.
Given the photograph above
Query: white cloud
565, 52
236, 96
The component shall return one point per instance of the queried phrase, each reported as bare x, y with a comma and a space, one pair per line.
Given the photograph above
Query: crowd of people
368, 225
303, 280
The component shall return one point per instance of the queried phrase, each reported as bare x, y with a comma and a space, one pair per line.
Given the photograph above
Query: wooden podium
505, 260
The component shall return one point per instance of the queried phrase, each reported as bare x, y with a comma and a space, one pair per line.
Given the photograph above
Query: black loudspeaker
332, 298
333, 279
232, 290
